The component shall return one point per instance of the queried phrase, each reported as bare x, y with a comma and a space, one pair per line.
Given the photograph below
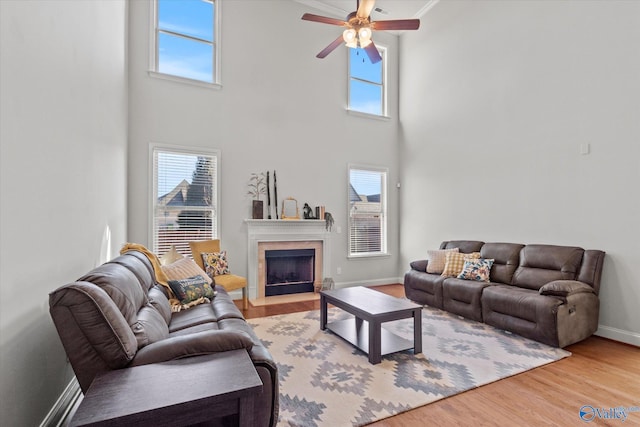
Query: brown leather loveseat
544, 292
116, 317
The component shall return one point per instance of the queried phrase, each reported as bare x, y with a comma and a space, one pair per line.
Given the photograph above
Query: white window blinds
185, 198
367, 211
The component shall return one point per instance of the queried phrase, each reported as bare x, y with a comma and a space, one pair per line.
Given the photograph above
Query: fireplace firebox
289, 271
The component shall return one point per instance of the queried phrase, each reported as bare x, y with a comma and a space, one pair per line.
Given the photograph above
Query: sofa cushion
158, 299
150, 327
122, 286
541, 264
437, 260
196, 315
466, 246
476, 269
506, 258
455, 261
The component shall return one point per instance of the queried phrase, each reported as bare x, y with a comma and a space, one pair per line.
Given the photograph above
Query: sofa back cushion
541, 264
464, 246
150, 327
506, 258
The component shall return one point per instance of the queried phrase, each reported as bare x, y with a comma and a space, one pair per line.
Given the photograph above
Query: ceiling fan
359, 29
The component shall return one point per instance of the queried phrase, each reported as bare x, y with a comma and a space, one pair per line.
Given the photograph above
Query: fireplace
289, 271
281, 238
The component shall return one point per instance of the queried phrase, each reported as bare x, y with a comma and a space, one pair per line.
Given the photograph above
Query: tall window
367, 211
184, 198
367, 83
185, 39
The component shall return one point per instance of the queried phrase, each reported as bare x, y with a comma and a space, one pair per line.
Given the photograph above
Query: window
185, 39
367, 83
367, 211
184, 198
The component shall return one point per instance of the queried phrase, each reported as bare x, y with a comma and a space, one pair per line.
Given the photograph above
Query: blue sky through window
186, 56
365, 83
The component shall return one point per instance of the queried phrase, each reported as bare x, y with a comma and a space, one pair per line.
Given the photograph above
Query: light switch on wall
585, 148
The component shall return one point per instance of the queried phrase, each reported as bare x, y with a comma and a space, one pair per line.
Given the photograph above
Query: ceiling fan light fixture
364, 34
349, 36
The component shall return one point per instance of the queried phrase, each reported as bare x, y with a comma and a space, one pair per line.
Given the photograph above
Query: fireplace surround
268, 235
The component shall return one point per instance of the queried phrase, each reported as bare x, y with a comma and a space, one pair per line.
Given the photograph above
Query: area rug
325, 381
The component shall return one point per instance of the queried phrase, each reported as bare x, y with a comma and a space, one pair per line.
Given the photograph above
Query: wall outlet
339, 270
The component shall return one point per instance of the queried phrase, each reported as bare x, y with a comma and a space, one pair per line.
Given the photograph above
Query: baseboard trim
58, 413
616, 334
376, 282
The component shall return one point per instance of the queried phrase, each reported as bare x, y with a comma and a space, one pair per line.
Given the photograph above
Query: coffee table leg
323, 312
375, 343
417, 331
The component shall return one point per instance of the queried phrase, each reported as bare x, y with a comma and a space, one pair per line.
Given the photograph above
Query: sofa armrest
198, 343
420, 265
565, 288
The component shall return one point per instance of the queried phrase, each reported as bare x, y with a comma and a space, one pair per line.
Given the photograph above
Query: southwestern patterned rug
325, 381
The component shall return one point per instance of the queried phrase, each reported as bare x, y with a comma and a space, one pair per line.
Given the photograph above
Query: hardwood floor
600, 373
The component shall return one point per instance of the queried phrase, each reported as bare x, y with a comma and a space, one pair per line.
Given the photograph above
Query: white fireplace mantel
277, 230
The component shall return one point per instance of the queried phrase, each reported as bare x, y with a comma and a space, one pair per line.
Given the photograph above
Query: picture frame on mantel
290, 209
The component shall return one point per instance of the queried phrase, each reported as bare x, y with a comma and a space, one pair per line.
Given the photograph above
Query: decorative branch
257, 185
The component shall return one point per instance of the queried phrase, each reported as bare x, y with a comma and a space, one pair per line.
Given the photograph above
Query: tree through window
184, 198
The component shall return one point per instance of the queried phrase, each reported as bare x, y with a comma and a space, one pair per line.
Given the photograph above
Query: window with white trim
367, 88
184, 198
367, 211
185, 39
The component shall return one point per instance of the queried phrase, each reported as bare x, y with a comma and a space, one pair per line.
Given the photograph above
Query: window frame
384, 116
384, 251
189, 151
216, 46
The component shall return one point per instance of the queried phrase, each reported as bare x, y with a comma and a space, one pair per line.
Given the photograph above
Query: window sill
368, 115
368, 255
183, 80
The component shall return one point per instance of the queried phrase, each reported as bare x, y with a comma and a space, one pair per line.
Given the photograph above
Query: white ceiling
392, 9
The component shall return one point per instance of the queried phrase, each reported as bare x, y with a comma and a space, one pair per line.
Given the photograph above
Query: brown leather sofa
116, 317
544, 292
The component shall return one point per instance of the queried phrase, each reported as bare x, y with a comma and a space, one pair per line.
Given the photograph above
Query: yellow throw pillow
183, 269
437, 260
454, 262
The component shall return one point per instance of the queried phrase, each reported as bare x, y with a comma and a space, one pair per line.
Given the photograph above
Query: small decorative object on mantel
307, 213
328, 219
256, 188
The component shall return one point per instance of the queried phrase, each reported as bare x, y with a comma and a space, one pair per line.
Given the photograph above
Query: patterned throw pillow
476, 269
437, 260
454, 261
191, 289
184, 268
215, 263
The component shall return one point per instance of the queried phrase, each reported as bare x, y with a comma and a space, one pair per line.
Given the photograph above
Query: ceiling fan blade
327, 50
324, 20
396, 24
372, 52
364, 8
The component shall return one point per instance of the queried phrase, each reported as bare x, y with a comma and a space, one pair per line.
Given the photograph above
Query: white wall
63, 179
496, 99
279, 109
